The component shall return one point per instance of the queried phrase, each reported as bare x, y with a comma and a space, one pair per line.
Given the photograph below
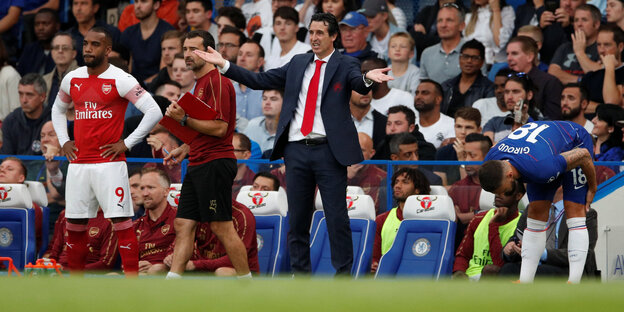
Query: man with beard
97, 175
36, 55
435, 126
366, 119
574, 102
494, 106
207, 189
480, 252
143, 39
405, 182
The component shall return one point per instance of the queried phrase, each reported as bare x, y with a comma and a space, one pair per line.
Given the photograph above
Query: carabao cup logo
4, 193
351, 201
426, 202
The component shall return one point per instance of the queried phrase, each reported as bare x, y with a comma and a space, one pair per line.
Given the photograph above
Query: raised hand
211, 56
378, 75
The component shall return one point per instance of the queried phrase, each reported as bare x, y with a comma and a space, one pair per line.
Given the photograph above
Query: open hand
211, 56
113, 149
70, 149
378, 75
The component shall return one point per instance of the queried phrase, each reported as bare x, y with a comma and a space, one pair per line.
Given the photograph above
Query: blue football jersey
535, 148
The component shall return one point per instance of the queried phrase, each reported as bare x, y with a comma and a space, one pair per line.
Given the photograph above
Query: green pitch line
319, 295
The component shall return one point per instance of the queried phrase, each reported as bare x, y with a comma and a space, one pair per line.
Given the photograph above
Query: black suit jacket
342, 74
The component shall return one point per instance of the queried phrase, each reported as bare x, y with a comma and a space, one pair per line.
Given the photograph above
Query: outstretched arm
581, 157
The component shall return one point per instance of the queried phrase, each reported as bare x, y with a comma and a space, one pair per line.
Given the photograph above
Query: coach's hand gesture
113, 149
70, 149
211, 56
378, 75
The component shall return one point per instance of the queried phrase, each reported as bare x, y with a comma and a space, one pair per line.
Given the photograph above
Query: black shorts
206, 193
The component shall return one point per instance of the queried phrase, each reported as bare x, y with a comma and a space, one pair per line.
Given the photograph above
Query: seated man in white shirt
262, 129
494, 106
285, 44
435, 126
383, 96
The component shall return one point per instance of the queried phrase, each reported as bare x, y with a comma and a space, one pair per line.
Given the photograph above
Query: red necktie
310, 107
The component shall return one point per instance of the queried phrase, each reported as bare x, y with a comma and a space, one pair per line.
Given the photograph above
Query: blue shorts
574, 184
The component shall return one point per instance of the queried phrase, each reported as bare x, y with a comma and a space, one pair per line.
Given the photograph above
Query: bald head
366, 143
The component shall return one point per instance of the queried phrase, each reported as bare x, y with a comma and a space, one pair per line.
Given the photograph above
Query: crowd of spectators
462, 71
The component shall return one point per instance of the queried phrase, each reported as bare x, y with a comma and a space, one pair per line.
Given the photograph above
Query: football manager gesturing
315, 134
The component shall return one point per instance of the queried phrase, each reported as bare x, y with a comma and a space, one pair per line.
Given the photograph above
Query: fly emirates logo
90, 112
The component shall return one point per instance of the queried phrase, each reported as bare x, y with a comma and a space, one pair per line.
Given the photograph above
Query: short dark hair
24, 170
107, 35
207, 4
474, 44
416, 176
207, 39
36, 80
287, 13
469, 113
280, 91
594, 11
486, 142
437, 86
171, 34
167, 82
524, 80
377, 62
409, 114
134, 171
245, 143
611, 113
268, 175
618, 34
234, 14
504, 72
330, 21
64, 34
402, 138
582, 89
260, 48
235, 31
54, 13
491, 175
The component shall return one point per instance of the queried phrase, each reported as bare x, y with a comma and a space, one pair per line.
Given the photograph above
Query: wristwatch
368, 81
183, 120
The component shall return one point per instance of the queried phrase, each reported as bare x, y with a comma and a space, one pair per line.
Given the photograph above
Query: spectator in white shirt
285, 44
492, 24
435, 126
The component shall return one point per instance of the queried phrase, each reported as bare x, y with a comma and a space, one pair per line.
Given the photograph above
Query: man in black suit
315, 135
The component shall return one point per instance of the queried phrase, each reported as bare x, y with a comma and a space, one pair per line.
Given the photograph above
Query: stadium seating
438, 190
38, 194
318, 205
174, 194
361, 210
270, 209
17, 224
424, 243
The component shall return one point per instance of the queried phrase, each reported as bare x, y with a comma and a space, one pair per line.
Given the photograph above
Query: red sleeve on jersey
58, 241
64, 96
134, 94
466, 247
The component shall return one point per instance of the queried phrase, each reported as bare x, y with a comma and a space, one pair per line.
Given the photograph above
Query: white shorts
103, 184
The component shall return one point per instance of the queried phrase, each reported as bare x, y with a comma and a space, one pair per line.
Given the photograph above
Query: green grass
212, 294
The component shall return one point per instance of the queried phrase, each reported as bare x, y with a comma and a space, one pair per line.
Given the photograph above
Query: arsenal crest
164, 229
106, 88
93, 231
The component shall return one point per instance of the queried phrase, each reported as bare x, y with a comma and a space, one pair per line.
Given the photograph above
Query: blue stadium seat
270, 210
17, 225
424, 244
361, 216
318, 204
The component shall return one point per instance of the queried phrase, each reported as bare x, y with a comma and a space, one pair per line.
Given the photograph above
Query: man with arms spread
546, 154
315, 135
98, 173
206, 194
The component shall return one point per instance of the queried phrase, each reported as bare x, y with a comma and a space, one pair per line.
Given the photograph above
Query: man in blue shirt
143, 39
545, 155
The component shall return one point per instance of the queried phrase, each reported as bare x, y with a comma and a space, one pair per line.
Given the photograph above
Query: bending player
545, 155
98, 174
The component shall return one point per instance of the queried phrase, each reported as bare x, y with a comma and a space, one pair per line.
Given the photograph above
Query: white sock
533, 244
172, 276
578, 243
246, 276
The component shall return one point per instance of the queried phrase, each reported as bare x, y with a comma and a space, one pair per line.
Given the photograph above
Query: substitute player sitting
545, 155
98, 174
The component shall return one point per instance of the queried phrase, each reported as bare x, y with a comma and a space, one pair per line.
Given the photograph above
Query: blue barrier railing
388, 163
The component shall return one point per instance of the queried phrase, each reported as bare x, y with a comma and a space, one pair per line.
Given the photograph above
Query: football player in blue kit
546, 155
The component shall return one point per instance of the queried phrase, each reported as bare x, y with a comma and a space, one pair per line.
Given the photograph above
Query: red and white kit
100, 103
